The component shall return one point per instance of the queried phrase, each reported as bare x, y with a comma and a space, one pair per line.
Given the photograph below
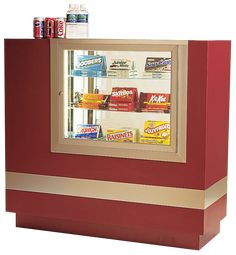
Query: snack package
121, 64
92, 97
149, 140
89, 65
88, 131
159, 130
123, 98
122, 135
151, 102
94, 101
155, 65
123, 94
128, 107
123, 68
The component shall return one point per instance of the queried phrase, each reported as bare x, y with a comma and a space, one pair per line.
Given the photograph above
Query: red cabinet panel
27, 91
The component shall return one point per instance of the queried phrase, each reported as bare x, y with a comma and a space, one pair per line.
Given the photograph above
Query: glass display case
119, 98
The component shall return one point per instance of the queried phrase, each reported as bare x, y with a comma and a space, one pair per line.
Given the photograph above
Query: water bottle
77, 21
83, 22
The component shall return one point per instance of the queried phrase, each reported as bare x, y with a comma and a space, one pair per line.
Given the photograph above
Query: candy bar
89, 65
94, 101
86, 131
121, 135
121, 64
154, 65
124, 68
122, 94
93, 97
149, 140
89, 105
129, 107
154, 102
157, 129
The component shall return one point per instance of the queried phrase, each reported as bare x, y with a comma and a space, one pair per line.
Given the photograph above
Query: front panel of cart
119, 100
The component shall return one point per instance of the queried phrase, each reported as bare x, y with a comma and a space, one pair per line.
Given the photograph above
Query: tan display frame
176, 152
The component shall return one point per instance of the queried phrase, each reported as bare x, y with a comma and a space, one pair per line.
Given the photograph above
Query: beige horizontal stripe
139, 193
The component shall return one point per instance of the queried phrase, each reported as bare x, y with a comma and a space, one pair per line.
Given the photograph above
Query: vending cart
124, 139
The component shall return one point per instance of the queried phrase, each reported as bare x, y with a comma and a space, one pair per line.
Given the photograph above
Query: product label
89, 65
158, 99
158, 64
71, 18
121, 135
77, 18
82, 18
121, 93
88, 131
90, 62
154, 102
159, 130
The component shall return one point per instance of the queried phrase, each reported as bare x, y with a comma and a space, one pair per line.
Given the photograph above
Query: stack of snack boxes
123, 99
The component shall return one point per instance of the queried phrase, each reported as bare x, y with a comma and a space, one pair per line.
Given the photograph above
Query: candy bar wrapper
121, 64
122, 135
154, 65
89, 105
123, 94
122, 73
94, 101
92, 97
128, 107
88, 131
159, 130
149, 140
154, 102
89, 65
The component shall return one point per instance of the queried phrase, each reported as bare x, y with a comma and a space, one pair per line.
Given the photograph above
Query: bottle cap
73, 6
83, 7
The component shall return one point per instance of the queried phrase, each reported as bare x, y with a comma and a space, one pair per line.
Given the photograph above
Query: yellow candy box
159, 131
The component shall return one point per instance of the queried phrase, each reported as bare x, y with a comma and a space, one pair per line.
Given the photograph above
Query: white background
149, 19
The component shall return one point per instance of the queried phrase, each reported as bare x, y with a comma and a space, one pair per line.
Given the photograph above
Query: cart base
151, 236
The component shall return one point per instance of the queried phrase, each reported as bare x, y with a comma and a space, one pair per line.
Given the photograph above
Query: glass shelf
107, 110
119, 96
156, 76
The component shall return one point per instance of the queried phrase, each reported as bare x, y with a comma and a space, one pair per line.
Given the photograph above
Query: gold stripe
215, 192
138, 193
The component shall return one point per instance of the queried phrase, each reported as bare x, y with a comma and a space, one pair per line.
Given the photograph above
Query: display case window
118, 100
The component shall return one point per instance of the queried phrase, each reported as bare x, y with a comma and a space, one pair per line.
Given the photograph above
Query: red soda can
60, 28
38, 27
49, 27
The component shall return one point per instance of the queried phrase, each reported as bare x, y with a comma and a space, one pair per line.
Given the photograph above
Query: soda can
60, 28
49, 27
38, 27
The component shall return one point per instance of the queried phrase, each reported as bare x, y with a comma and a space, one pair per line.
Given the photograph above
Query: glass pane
118, 96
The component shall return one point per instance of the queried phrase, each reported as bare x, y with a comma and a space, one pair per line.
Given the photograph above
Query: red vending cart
124, 139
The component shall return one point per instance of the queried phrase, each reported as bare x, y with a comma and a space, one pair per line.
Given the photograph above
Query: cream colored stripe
215, 192
147, 194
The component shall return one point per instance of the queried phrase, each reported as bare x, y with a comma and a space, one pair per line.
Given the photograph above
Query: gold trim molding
117, 191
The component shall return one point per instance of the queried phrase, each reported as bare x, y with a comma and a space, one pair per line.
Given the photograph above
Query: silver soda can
60, 28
